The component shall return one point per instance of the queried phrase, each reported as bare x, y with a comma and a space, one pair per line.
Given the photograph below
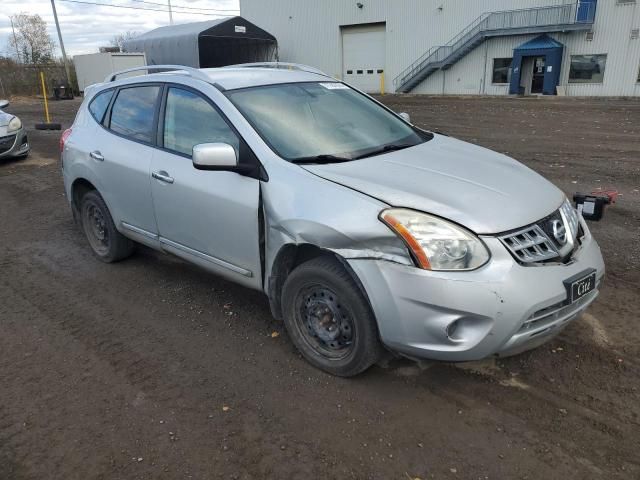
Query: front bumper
14, 145
502, 308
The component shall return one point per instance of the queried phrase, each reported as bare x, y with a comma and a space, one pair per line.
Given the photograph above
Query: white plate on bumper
580, 285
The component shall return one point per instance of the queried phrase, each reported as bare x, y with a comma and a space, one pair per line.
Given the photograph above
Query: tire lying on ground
328, 318
48, 126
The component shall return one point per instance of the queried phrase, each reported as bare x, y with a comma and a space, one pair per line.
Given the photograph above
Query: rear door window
133, 111
99, 104
190, 120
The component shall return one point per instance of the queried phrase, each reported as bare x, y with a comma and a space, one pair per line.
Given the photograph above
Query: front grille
544, 240
6, 143
530, 245
569, 213
545, 224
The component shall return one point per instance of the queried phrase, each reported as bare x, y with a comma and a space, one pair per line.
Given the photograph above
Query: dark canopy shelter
214, 43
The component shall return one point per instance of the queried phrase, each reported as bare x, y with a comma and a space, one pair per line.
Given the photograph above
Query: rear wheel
328, 318
107, 243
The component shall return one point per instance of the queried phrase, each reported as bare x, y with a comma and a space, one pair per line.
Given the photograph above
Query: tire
107, 243
48, 126
328, 318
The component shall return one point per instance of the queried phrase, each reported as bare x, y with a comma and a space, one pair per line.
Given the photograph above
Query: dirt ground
152, 368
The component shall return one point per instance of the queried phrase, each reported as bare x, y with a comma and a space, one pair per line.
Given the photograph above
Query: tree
118, 40
32, 39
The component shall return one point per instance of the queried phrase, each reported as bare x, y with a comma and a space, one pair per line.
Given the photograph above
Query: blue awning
542, 42
543, 46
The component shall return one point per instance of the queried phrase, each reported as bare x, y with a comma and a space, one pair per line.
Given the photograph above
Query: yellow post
382, 83
44, 94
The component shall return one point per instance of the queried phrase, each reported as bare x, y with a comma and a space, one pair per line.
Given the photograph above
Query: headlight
14, 125
435, 243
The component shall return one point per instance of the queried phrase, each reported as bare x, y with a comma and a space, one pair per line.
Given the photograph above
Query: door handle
162, 176
96, 155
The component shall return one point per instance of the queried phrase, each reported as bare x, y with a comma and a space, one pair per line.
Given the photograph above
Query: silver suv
363, 230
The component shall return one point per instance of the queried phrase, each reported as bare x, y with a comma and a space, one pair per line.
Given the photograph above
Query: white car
363, 230
13, 136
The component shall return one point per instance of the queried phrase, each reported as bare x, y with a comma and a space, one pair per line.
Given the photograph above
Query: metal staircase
557, 18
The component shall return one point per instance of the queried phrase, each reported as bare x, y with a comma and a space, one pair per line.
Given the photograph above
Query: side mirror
4, 103
405, 116
214, 156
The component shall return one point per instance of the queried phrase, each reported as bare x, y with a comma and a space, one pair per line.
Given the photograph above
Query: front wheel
107, 243
328, 318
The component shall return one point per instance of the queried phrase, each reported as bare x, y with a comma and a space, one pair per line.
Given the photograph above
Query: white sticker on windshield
335, 86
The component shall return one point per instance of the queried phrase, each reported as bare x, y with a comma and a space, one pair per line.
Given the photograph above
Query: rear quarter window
133, 111
99, 104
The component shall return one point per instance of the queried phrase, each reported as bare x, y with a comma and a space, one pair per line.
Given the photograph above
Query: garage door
363, 56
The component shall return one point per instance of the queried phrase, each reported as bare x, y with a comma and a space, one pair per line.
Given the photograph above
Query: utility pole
170, 14
15, 40
64, 53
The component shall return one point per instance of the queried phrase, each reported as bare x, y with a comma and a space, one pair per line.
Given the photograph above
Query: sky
85, 28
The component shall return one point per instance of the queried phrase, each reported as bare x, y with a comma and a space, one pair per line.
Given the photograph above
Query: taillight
63, 138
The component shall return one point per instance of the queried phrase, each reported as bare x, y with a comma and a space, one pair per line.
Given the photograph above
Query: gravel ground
152, 368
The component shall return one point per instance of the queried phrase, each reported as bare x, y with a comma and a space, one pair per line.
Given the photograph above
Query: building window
587, 68
501, 70
639, 75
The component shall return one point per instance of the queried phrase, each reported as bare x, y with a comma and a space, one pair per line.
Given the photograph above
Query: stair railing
491, 21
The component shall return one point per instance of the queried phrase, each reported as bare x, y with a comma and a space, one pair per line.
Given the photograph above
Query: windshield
322, 122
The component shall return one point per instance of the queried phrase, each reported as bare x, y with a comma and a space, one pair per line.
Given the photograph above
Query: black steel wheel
107, 243
327, 324
95, 228
329, 319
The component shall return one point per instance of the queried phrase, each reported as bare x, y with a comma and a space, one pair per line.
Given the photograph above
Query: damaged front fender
379, 245
323, 215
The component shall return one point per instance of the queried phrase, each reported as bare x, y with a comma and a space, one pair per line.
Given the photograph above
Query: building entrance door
537, 83
586, 11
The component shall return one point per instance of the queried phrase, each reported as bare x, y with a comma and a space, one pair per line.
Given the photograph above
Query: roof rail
190, 71
281, 65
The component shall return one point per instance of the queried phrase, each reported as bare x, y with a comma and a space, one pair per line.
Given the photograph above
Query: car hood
482, 190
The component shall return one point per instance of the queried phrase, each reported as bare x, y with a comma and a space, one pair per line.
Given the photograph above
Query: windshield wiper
321, 159
386, 148
336, 159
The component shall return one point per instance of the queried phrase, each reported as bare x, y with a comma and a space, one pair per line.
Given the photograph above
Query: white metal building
482, 47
